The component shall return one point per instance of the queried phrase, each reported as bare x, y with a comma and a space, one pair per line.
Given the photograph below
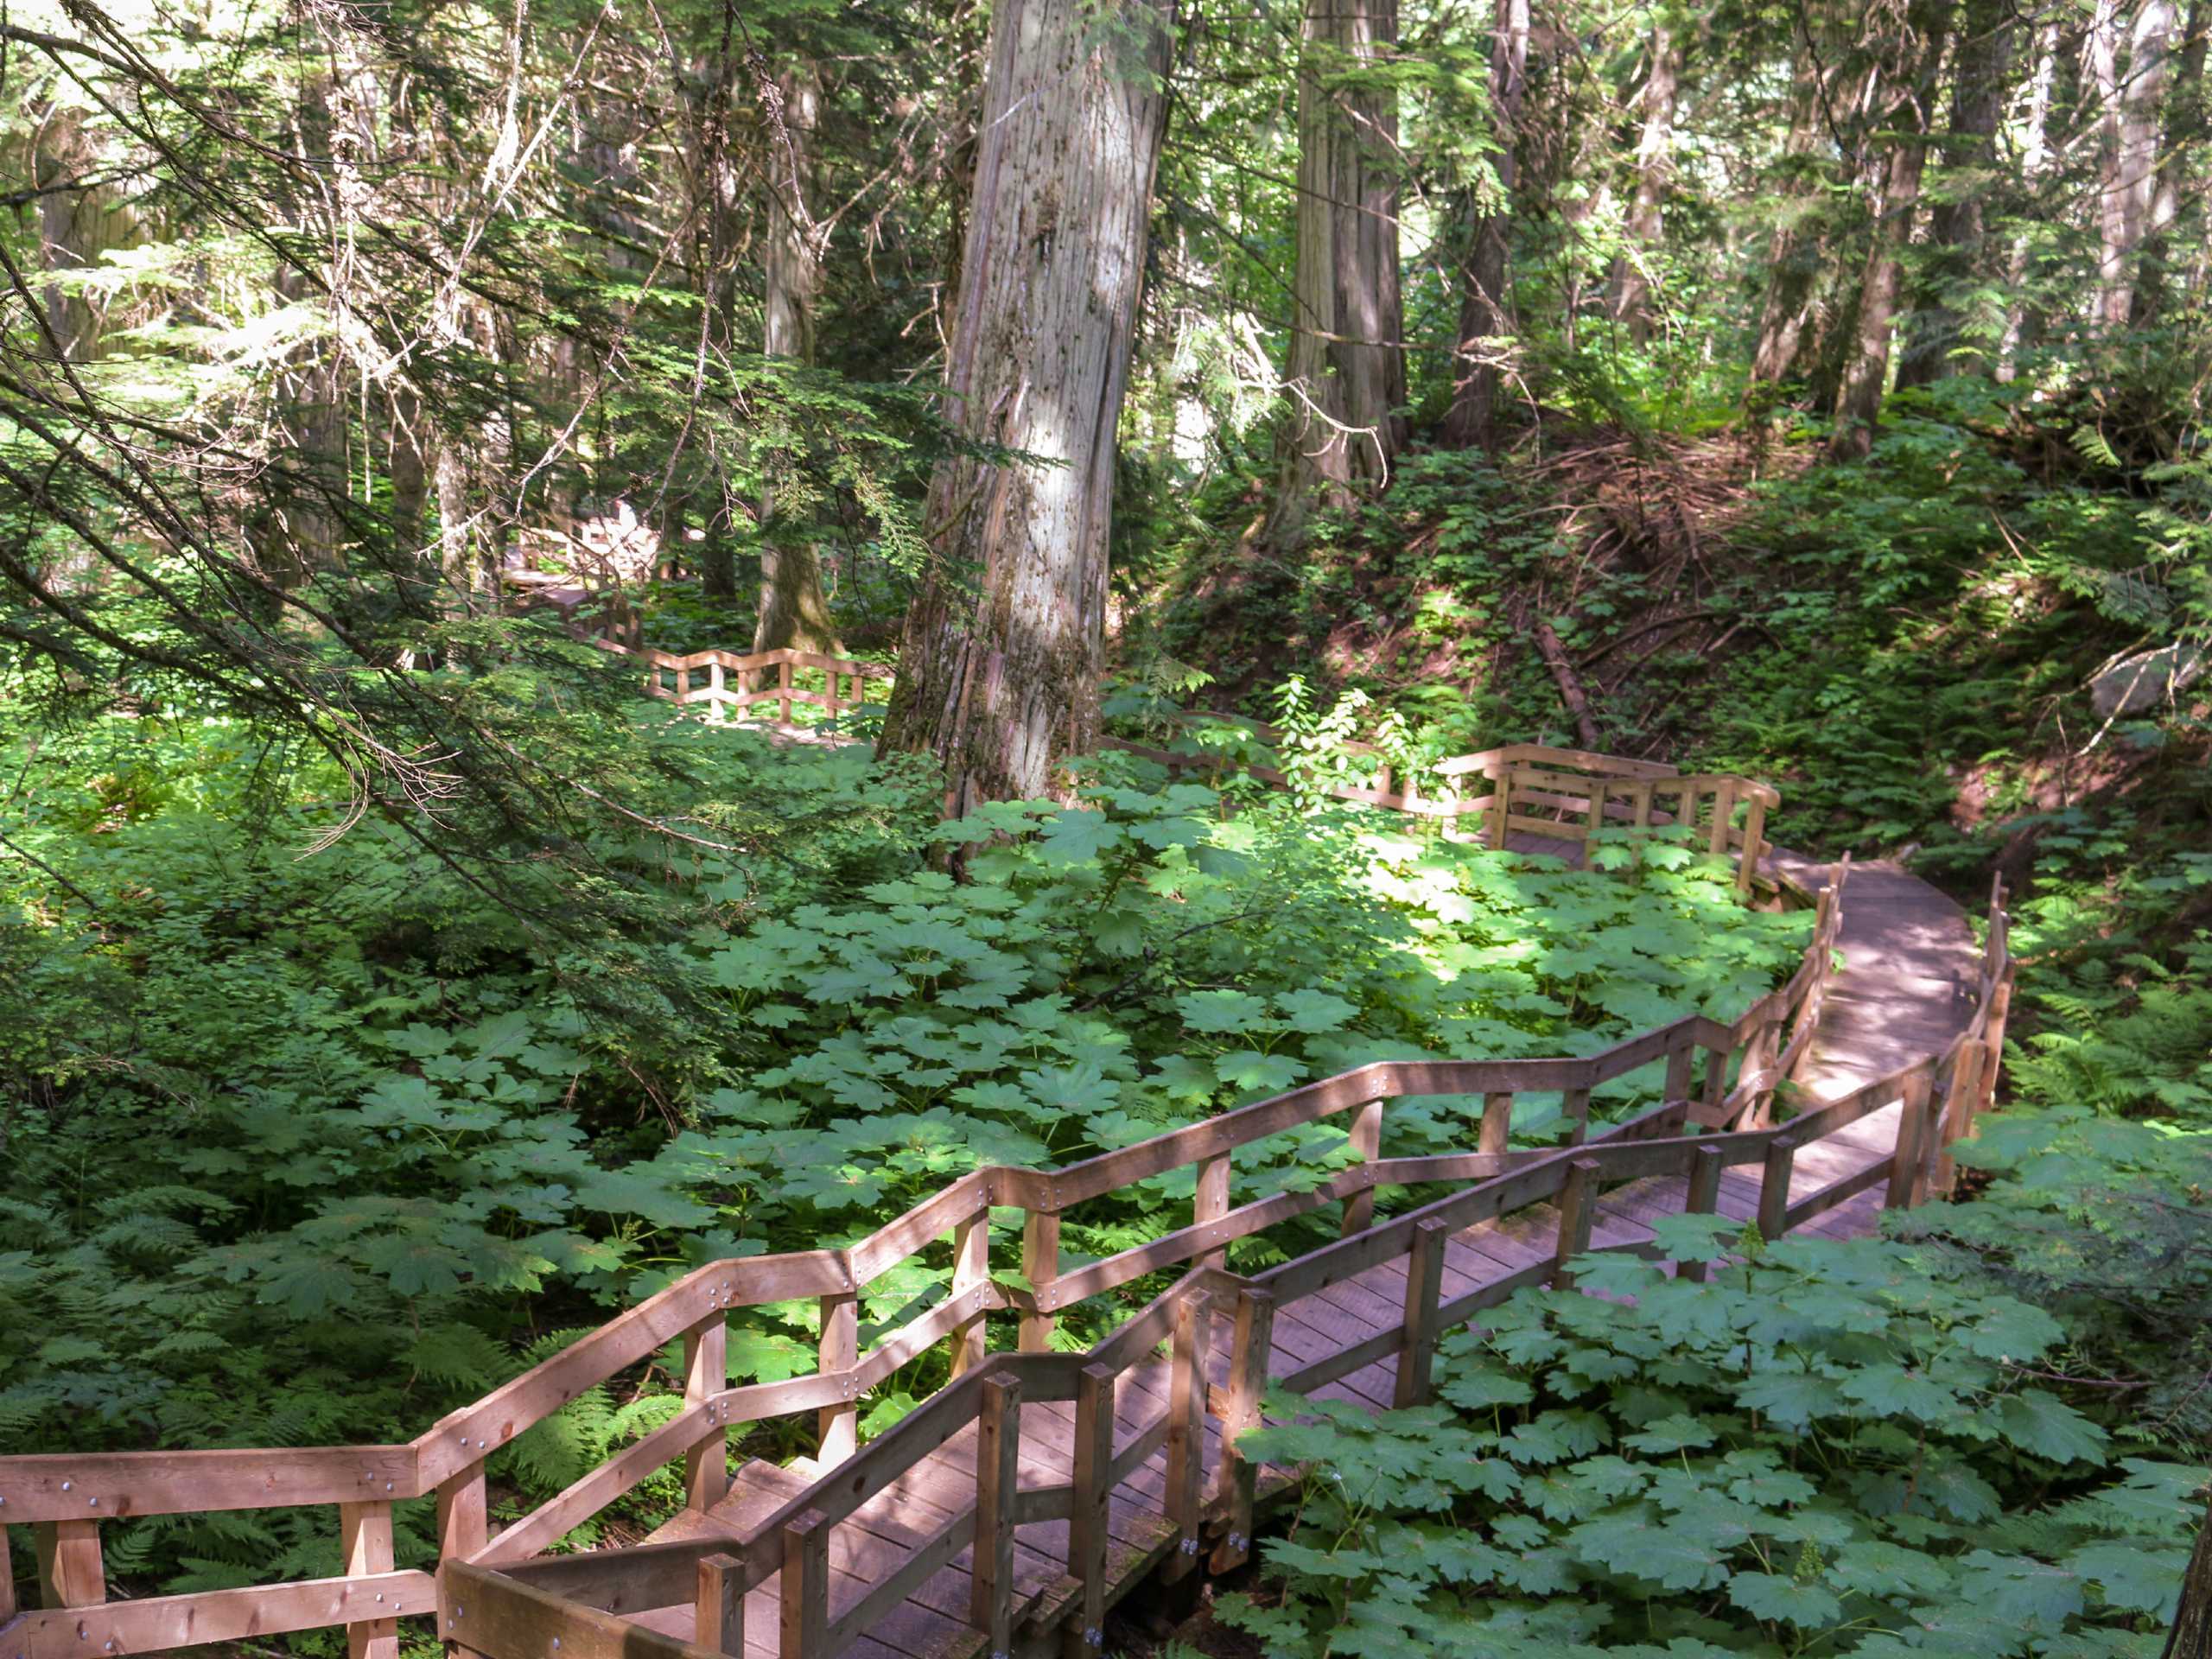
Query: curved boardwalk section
1012, 1508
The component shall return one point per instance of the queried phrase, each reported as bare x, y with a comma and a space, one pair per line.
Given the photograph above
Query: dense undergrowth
308, 1144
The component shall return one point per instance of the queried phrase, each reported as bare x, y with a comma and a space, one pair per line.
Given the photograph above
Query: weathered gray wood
1424, 1290
1087, 1529
1237, 1485
1774, 1187
998, 1483
1040, 1266
1365, 1137
1700, 1198
718, 1615
1187, 1407
705, 1374
1577, 1213
804, 1625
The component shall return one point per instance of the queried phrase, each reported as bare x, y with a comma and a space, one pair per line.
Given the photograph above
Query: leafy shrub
1831, 1447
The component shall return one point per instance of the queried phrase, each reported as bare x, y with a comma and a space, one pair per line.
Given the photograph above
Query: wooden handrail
70, 1494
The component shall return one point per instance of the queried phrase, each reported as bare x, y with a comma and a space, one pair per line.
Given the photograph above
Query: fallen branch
1570, 687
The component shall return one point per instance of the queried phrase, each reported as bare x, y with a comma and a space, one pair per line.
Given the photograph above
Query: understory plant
1829, 1448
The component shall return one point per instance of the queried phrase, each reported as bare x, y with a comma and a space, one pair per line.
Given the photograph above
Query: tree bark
1630, 299
2184, 135
999, 665
2023, 322
1956, 225
2191, 1635
1346, 369
1486, 314
1859, 399
1791, 252
792, 611
2131, 110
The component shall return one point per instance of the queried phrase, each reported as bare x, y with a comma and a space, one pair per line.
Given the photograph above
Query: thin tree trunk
1859, 399
2131, 178
2184, 134
1000, 665
2022, 321
1655, 164
1346, 368
2191, 1635
792, 611
1486, 314
1791, 254
1956, 225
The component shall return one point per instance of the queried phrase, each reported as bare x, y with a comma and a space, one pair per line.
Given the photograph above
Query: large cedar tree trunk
2023, 322
999, 669
2191, 1635
1630, 299
1485, 317
2184, 134
1917, 54
1347, 370
792, 611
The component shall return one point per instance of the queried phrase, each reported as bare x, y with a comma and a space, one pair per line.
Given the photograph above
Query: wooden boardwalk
1011, 1508
1905, 993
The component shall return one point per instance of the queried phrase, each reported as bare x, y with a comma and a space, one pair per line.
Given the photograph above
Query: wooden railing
1722, 1078
732, 680
1560, 794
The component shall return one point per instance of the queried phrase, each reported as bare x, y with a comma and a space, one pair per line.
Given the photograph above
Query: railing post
363, 1548
972, 1266
1186, 1431
1040, 1266
464, 1517
1754, 837
1713, 1089
837, 1427
998, 1476
1702, 1199
1574, 1106
1774, 1188
805, 1624
1958, 1112
717, 710
1909, 1163
1723, 810
1210, 1203
1366, 1136
718, 1617
7, 1580
1424, 1289
1501, 800
1677, 1086
1497, 1124
783, 686
1578, 1215
1087, 1534
705, 1374
71, 1570
2000, 1006
1239, 1479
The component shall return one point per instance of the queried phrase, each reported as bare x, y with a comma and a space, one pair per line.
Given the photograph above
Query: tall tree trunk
1485, 316
1858, 398
1346, 367
2022, 321
2130, 109
1655, 165
1000, 665
2184, 134
2191, 1635
1956, 225
792, 611
1791, 253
